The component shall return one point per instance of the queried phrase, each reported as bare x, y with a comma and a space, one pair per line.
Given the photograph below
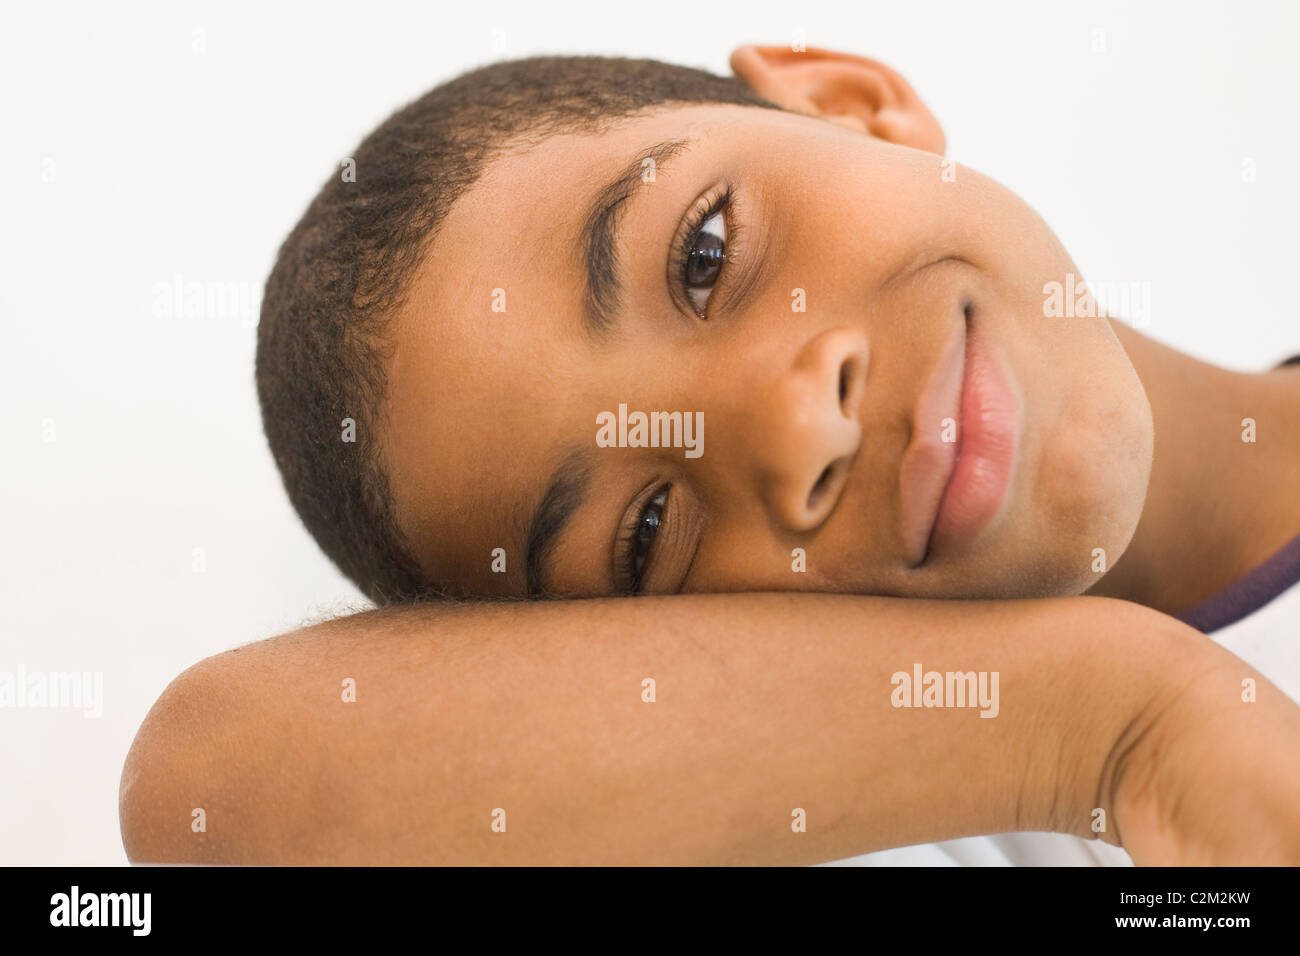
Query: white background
172, 163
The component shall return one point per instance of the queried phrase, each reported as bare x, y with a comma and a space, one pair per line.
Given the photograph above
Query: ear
853, 91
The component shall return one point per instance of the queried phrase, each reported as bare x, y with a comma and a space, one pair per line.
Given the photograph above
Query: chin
1090, 466
1086, 500
1097, 493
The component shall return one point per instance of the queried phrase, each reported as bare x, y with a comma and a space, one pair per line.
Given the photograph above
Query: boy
857, 394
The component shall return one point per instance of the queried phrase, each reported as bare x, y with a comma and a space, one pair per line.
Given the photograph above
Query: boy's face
848, 289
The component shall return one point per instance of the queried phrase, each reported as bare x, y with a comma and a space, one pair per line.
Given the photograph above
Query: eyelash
628, 542
630, 576
719, 202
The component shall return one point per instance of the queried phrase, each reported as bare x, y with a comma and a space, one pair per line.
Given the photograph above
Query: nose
812, 429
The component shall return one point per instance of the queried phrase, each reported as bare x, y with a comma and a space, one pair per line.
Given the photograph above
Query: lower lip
986, 454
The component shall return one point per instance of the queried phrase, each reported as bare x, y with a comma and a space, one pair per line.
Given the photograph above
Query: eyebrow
564, 495
603, 294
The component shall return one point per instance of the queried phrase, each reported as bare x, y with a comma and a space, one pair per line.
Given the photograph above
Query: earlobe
852, 91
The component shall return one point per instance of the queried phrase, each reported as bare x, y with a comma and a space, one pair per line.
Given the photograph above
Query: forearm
763, 704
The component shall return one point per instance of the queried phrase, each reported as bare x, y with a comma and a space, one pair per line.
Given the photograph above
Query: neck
1216, 505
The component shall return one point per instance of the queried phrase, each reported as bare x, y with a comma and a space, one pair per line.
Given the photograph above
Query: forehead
490, 341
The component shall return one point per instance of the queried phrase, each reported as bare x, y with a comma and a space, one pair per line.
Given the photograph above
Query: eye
703, 252
636, 540
704, 263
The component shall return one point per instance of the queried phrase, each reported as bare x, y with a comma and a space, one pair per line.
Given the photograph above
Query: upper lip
928, 461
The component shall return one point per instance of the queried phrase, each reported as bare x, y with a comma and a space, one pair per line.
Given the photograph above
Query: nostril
849, 371
819, 489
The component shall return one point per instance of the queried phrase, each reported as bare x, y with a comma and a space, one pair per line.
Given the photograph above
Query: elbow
175, 759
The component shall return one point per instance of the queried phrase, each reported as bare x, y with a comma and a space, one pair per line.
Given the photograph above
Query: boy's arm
763, 703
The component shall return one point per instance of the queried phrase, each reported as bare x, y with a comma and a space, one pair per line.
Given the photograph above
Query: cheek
1093, 462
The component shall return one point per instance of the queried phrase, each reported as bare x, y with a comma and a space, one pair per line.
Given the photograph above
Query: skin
855, 212
765, 700
1237, 496
537, 708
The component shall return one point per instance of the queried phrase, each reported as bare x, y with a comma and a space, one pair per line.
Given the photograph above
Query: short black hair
344, 270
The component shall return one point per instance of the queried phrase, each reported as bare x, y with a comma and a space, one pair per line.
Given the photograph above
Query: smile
957, 470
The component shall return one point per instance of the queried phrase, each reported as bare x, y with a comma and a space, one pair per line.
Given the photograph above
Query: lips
952, 490
929, 461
